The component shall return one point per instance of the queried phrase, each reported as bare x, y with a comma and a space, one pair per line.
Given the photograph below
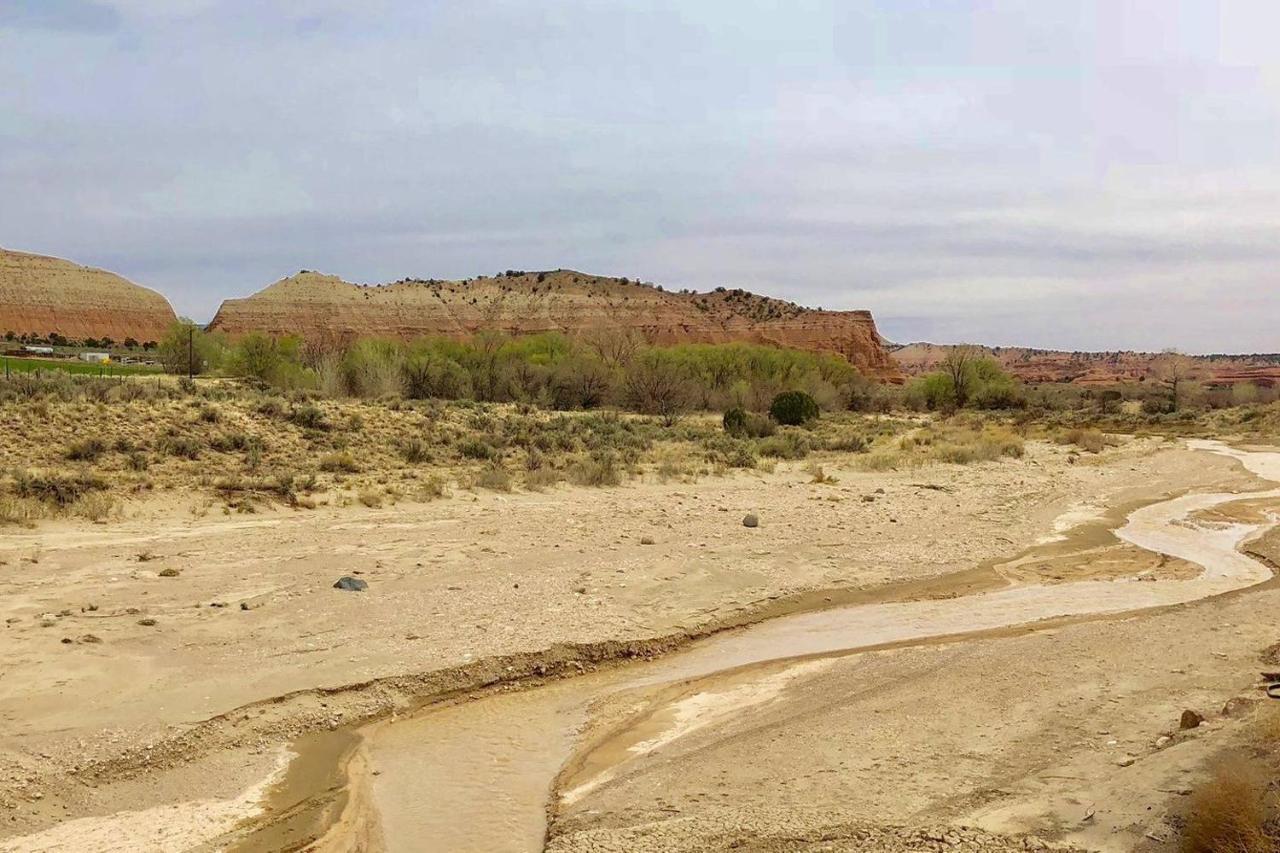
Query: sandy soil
95, 727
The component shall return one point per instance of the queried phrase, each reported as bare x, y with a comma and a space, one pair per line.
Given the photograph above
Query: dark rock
169, 573
751, 520
351, 584
147, 623
1190, 720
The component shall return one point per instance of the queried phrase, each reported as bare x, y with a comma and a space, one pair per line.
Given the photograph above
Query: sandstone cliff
326, 307
40, 295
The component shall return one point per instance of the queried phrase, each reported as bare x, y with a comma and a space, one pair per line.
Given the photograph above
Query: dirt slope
1094, 368
319, 306
40, 294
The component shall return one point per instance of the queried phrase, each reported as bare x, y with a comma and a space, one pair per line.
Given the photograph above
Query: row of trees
968, 379
57, 339
551, 369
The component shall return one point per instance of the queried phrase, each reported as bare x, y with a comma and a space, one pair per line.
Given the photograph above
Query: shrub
342, 462
495, 478
743, 424
59, 489
1228, 815
87, 450
1090, 440
851, 443
181, 446
599, 469
137, 461
309, 416
735, 422
414, 450
789, 445
229, 441
793, 408
474, 448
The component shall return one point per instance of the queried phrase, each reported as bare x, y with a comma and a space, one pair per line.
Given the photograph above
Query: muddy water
479, 776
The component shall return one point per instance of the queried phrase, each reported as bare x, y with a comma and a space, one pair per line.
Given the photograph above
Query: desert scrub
743, 424
730, 452
494, 478
598, 469
86, 450
790, 444
61, 490
413, 450
1229, 813
20, 511
1088, 440
474, 448
339, 463
309, 416
181, 446
850, 443
793, 408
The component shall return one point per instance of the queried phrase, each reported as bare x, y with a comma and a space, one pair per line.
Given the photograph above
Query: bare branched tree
958, 367
1174, 371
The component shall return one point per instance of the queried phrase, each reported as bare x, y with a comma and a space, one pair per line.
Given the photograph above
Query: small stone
147, 623
244, 605
351, 584
1190, 720
170, 572
1163, 741
1127, 761
750, 520
646, 540
90, 638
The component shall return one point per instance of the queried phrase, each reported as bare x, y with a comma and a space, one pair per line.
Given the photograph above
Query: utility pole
191, 347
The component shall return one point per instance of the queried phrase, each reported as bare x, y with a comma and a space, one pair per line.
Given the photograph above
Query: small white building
95, 357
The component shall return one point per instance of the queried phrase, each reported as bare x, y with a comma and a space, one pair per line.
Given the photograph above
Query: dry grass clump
495, 478
1229, 814
1088, 440
598, 469
963, 444
341, 463
20, 511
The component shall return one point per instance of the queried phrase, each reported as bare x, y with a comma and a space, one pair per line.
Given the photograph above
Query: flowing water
479, 776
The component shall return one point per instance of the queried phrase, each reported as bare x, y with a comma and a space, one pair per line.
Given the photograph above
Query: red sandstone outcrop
40, 295
326, 307
1095, 368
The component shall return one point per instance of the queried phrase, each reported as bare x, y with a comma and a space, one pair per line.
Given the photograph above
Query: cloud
1056, 173
82, 16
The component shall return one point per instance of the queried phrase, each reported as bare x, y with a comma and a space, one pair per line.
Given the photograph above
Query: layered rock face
1095, 368
40, 295
324, 307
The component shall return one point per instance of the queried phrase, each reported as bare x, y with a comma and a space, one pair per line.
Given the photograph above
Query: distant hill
40, 295
1092, 368
326, 307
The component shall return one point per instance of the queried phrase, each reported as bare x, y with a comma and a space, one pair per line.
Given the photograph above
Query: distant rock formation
40, 295
326, 307
1094, 368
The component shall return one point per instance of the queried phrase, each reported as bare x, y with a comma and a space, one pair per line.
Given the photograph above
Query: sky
1078, 174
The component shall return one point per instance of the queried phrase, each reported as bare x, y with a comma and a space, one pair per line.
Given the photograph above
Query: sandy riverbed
147, 716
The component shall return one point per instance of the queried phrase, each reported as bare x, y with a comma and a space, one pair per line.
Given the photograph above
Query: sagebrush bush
86, 450
59, 489
309, 416
793, 408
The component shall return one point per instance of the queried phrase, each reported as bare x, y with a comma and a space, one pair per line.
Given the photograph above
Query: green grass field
12, 364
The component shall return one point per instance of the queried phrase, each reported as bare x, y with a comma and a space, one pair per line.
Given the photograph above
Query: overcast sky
1062, 173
